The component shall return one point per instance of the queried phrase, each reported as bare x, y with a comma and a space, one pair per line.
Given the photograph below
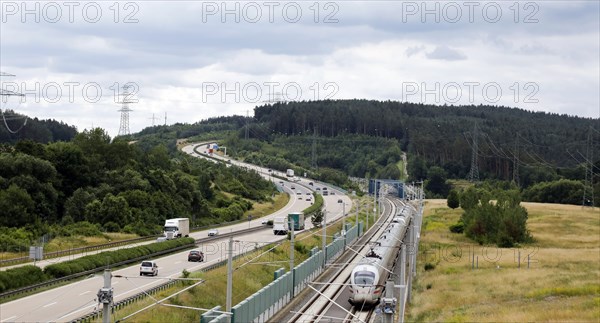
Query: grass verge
261, 209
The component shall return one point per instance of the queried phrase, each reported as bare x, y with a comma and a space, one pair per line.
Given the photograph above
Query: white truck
177, 228
289, 173
280, 225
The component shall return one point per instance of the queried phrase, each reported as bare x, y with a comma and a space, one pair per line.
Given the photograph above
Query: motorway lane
74, 300
265, 173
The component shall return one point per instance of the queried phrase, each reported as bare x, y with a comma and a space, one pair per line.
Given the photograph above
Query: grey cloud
446, 53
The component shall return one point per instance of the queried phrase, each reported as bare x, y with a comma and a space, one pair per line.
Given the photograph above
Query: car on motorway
299, 193
148, 268
340, 201
213, 232
196, 255
318, 189
293, 187
307, 193
310, 183
332, 193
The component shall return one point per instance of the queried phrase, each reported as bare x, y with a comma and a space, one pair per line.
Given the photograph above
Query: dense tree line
443, 135
16, 127
336, 158
117, 186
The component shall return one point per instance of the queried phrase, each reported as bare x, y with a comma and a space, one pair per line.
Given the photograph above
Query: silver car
148, 268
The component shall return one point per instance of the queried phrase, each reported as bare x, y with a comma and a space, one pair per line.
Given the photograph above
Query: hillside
331, 140
444, 135
16, 127
51, 189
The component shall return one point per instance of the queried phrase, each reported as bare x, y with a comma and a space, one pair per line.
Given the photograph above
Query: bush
21, 277
100, 260
111, 227
503, 223
429, 266
458, 227
453, 200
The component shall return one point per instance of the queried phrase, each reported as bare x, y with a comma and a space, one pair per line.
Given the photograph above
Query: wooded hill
115, 186
445, 135
15, 127
363, 138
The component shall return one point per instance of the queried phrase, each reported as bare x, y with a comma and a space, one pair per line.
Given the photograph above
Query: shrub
453, 200
458, 227
20, 277
108, 257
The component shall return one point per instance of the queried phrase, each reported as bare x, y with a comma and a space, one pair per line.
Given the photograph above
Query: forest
115, 186
539, 152
16, 127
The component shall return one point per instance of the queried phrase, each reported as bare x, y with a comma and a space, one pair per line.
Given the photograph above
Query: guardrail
80, 250
263, 304
86, 273
95, 315
125, 262
73, 251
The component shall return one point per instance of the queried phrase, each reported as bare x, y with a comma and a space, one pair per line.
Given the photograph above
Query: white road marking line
10, 318
47, 305
87, 291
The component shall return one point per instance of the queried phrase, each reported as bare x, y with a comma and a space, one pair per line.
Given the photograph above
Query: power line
124, 125
247, 125
474, 172
516, 162
314, 150
153, 118
588, 197
6, 94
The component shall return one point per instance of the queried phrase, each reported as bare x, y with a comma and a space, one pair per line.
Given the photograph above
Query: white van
148, 268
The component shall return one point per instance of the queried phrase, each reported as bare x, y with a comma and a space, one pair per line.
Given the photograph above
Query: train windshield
364, 278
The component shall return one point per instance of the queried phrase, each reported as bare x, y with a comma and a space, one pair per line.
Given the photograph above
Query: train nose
362, 294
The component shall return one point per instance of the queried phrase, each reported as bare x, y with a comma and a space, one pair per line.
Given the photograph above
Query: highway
74, 300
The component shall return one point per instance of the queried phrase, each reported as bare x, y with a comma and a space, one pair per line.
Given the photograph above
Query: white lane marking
47, 305
115, 283
87, 291
10, 318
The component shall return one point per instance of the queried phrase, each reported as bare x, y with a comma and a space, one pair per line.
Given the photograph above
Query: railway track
330, 303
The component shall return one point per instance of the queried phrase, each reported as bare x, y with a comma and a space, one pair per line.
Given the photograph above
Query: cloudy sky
194, 60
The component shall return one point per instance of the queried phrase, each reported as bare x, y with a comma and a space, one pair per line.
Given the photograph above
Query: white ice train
368, 277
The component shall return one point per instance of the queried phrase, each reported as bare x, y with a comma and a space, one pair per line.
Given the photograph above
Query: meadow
555, 278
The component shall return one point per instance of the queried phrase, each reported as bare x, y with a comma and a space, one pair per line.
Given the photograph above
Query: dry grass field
562, 283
